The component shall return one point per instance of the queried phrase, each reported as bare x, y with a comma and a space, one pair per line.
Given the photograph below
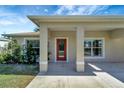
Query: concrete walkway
96, 75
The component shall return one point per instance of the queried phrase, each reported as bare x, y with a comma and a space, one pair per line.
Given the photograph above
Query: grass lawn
16, 75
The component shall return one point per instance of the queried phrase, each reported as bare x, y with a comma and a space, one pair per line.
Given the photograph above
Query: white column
80, 50
43, 49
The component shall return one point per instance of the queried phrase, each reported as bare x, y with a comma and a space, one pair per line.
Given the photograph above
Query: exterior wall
117, 46
100, 34
114, 44
72, 44
20, 40
71, 35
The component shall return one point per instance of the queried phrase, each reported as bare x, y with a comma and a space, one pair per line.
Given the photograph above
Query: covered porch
60, 52
75, 30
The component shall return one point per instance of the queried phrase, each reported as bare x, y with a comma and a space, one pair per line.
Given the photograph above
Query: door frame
66, 48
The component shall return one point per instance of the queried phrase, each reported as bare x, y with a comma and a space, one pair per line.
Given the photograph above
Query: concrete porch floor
96, 75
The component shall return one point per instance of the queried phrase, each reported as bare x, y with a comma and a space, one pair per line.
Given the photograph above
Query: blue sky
13, 18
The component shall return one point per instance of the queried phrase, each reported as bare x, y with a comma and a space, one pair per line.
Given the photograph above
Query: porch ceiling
90, 23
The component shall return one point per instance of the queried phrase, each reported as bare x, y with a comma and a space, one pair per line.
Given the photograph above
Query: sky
13, 19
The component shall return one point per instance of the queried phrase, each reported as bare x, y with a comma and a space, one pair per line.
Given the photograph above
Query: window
35, 45
93, 48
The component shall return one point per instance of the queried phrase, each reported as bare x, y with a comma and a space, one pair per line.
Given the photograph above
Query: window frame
103, 49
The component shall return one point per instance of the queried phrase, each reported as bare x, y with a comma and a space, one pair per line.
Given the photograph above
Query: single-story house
76, 39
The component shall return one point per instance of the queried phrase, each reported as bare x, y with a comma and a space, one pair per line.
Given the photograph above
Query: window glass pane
61, 48
87, 43
36, 51
37, 43
97, 43
61, 45
87, 51
97, 51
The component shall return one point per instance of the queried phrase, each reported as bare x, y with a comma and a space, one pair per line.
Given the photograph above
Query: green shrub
11, 53
5, 57
1, 58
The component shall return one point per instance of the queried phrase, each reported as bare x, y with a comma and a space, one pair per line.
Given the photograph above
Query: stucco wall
100, 34
114, 44
71, 44
20, 40
117, 46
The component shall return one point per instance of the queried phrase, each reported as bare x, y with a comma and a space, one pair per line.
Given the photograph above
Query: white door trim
66, 48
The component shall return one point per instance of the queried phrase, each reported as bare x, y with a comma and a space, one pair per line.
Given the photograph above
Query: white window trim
103, 49
67, 48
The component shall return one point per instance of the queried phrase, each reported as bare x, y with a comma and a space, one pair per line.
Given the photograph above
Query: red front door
61, 49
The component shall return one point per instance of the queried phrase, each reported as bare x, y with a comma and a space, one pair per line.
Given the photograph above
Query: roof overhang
29, 34
77, 19
95, 23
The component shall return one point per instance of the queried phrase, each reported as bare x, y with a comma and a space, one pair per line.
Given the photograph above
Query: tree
30, 54
15, 50
11, 53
